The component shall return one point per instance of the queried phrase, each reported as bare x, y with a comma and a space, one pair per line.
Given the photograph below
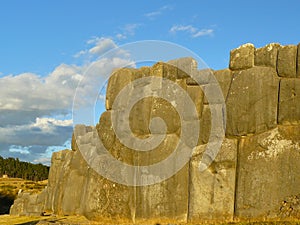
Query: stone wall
256, 174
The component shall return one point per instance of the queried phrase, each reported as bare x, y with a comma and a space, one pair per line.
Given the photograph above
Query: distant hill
15, 168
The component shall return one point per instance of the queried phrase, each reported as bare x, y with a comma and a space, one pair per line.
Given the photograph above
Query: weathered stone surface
261, 180
28, 204
157, 154
268, 172
119, 79
164, 70
222, 82
186, 67
204, 76
140, 116
197, 95
105, 130
290, 207
252, 101
298, 60
106, 199
212, 191
59, 171
286, 62
267, 56
165, 200
242, 57
164, 110
205, 125
289, 101
77, 177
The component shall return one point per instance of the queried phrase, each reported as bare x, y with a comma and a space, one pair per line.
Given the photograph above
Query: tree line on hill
28, 171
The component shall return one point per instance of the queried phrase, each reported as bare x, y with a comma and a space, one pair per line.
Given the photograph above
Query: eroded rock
268, 171
242, 57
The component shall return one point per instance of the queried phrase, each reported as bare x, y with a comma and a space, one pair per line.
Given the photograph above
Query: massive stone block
77, 177
289, 101
103, 198
110, 200
59, 171
28, 204
105, 130
267, 56
242, 57
286, 62
252, 101
164, 70
197, 96
119, 79
106, 200
268, 172
164, 200
204, 76
222, 81
212, 192
186, 67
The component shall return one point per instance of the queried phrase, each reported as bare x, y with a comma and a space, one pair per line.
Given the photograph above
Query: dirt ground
80, 220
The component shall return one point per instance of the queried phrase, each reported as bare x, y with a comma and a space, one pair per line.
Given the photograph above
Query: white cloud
43, 160
188, 28
193, 31
130, 29
80, 53
29, 94
152, 15
121, 36
48, 125
203, 32
30, 105
19, 149
102, 46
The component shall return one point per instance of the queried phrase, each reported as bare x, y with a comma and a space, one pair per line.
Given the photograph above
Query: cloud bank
36, 111
191, 30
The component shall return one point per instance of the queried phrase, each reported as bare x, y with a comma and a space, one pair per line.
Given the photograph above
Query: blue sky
45, 47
